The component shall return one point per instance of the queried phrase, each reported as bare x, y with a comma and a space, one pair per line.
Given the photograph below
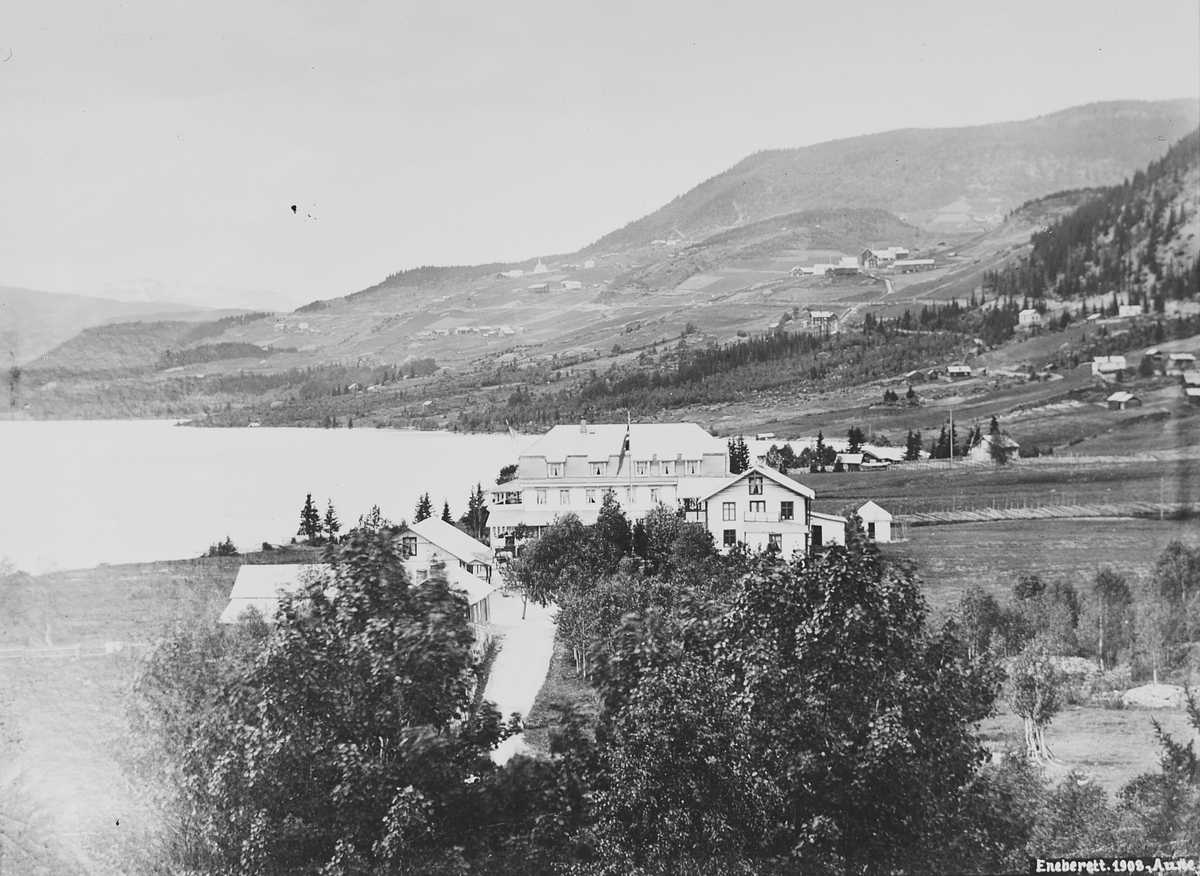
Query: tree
14, 382
1112, 600
997, 449
374, 521
344, 740
979, 616
856, 438
475, 519
782, 458
739, 455
310, 520
332, 525
507, 473
1034, 694
447, 517
424, 509
224, 548
912, 446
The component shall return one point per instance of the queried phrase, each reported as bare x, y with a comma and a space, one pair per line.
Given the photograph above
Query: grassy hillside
946, 179
32, 323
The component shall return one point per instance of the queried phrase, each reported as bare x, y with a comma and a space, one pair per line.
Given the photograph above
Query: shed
1119, 401
826, 529
848, 461
877, 521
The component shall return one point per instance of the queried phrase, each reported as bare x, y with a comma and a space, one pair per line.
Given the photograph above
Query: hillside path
520, 667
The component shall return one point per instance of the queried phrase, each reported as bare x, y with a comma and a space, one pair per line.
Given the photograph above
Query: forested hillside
1139, 239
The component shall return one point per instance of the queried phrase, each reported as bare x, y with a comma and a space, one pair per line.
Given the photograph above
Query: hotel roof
602, 441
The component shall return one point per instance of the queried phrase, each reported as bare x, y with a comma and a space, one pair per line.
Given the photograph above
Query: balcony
766, 517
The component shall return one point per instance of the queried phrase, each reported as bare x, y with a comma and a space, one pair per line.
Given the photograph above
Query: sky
156, 149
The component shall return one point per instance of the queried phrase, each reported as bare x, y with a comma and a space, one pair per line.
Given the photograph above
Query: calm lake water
79, 493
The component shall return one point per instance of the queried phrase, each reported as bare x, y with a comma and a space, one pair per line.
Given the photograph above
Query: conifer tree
310, 520
424, 509
332, 525
447, 517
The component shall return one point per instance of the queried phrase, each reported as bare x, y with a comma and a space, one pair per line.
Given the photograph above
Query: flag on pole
512, 434
624, 444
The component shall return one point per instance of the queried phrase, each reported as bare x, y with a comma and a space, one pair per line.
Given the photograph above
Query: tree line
754, 714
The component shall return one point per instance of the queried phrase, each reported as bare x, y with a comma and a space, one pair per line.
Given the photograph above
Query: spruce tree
424, 509
310, 520
332, 525
447, 517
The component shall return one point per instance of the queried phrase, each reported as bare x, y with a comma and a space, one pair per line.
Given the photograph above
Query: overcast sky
153, 142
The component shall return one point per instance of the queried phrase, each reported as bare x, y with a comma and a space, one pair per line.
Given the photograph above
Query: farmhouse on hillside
958, 372
981, 451
1029, 318
876, 521
1108, 366
1119, 401
762, 508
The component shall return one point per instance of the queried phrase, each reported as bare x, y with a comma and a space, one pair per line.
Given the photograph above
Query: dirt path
520, 667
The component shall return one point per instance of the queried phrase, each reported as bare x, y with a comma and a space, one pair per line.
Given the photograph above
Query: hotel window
654, 495
641, 469
758, 506
564, 497
667, 466
408, 546
630, 492
597, 469
692, 466
775, 540
555, 469
541, 497
755, 481
728, 511
730, 538
787, 511
591, 497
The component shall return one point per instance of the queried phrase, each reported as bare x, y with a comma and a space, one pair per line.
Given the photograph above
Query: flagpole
629, 437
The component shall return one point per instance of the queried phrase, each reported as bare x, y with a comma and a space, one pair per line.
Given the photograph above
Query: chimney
583, 426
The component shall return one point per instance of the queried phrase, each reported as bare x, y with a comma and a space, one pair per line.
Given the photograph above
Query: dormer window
597, 469
668, 467
554, 469
692, 466
756, 484
641, 469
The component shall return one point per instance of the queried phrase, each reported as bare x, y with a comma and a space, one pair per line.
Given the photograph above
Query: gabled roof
871, 511
452, 540
1122, 397
1006, 441
602, 441
259, 587
1191, 378
767, 472
849, 458
887, 454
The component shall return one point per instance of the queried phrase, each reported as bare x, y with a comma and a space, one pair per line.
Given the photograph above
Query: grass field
995, 555
1111, 745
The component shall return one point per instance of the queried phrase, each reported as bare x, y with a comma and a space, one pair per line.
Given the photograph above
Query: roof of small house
1191, 377
828, 518
259, 587
1181, 357
887, 454
1006, 441
452, 540
767, 472
1192, 391
1121, 397
646, 441
849, 458
873, 512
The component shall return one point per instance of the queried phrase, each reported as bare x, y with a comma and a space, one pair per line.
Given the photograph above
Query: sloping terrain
954, 179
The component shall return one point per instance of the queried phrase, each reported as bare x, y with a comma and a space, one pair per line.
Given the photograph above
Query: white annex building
260, 587
877, 522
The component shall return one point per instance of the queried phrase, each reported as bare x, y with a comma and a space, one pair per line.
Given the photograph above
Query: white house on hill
982, 451
877, 521
1029, 318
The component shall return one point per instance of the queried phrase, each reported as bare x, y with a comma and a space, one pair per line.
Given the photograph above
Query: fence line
75, 652
1046, 511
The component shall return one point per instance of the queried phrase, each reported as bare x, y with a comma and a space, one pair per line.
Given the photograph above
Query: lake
78, 493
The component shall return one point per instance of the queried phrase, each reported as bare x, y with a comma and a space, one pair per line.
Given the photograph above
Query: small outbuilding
876, 521
1119, 401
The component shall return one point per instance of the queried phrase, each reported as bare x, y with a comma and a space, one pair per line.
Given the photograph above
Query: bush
224, 548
